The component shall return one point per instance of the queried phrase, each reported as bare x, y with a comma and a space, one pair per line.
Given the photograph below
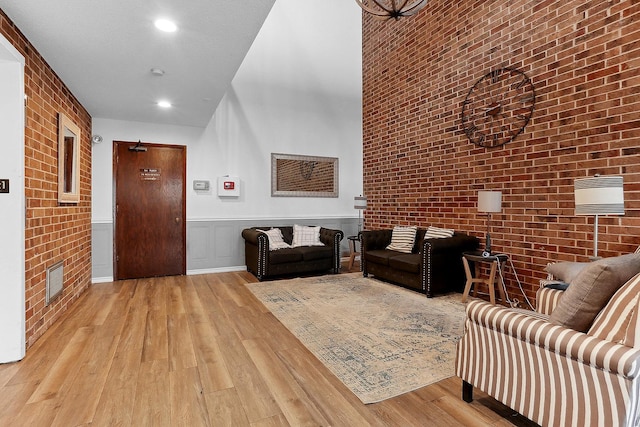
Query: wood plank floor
201, 351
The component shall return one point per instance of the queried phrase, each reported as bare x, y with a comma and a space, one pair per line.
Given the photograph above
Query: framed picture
303, 176
68, 160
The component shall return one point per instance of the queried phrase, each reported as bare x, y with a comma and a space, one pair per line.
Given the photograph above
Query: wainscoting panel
213, 245
102, 251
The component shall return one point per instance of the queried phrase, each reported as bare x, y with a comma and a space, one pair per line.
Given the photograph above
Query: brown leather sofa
263, 263
434, 266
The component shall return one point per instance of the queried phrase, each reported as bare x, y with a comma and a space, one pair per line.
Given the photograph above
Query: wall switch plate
4, 185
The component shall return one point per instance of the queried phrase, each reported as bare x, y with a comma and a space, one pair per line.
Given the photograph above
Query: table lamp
489, 202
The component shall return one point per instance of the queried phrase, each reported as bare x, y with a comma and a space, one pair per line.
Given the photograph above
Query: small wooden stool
477, 258
352, 250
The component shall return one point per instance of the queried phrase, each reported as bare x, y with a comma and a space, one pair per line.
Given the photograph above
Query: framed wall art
68, 160
303, 176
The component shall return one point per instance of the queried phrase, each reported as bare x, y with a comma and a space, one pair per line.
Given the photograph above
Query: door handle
177, 220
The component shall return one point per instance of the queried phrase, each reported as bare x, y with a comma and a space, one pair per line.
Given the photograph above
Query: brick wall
53, 232
420, 168
304, 175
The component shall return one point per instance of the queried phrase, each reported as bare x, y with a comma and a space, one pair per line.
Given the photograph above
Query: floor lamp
489, 202
600, 195
360, 203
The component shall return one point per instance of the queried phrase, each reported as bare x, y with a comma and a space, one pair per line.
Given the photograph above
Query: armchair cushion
311, 252
406, 262
285, 256
380, 256
592, 288
617, 322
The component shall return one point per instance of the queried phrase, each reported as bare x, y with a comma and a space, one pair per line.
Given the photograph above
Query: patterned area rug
380, 340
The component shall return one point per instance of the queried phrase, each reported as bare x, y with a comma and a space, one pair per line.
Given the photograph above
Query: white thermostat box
201, 185
228, 186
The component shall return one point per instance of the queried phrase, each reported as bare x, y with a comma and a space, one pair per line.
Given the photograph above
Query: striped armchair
553, 375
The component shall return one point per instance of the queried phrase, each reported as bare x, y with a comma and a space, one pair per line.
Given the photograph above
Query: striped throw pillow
276, 241
438, 233
402, 239
618, 320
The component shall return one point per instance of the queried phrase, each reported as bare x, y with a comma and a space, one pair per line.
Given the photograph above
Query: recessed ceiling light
164, 104
165, 25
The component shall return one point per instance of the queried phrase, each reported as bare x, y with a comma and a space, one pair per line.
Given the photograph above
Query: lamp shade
489, 201
601, 195
360, 202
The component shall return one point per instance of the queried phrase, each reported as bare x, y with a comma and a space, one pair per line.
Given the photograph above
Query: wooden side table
477, 259
353, 241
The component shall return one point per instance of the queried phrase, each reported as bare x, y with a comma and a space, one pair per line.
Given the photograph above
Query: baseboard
101, 279
217, 270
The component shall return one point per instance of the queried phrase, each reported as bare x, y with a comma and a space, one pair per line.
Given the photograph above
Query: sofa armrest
329, 237
611, 357
250, 235
442, 261
547, 300
256, 251
332, 238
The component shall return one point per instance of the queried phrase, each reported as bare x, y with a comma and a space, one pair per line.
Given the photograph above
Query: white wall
12, 204
298, 91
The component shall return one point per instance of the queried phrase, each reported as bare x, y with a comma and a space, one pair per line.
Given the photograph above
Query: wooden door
149, 204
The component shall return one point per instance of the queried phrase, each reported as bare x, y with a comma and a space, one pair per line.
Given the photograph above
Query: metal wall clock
498, 107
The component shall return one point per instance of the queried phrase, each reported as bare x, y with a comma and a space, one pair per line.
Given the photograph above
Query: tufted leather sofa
263, 263
434, 266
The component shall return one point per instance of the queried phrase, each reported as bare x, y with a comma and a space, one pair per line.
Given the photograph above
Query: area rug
380, 340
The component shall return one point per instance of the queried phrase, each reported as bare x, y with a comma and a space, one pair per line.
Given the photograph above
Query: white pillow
438, 233
306, 236
276, 241
402, 239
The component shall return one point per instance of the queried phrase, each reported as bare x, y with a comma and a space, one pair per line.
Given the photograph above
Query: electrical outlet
4, 185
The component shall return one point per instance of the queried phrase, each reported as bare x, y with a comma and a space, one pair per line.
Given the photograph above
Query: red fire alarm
228, 186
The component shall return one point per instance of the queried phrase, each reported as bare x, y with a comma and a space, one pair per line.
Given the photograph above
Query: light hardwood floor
201, 351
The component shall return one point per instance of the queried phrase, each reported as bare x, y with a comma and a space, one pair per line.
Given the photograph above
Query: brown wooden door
149, 204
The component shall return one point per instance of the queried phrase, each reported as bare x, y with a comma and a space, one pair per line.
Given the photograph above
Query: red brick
419, 167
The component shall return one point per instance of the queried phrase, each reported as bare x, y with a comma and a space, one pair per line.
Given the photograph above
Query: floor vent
55, 281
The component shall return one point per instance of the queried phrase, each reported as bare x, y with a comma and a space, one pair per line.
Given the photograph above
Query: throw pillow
402, 239
565, 271
617, 322
306, 236
438, 233
276, 241
591, 289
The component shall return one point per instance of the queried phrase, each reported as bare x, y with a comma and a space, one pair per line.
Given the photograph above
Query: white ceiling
104, 50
